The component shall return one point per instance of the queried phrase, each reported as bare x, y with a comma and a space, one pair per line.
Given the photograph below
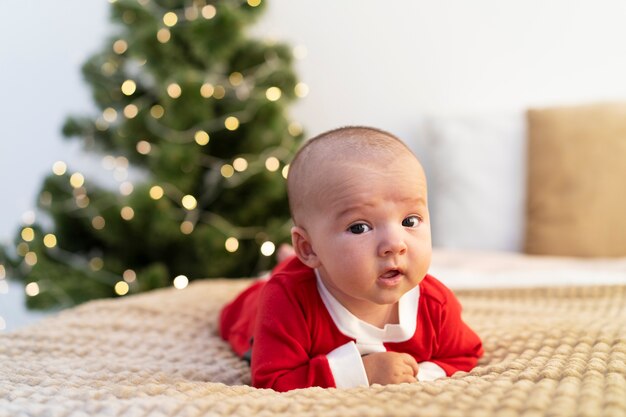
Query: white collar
365, 333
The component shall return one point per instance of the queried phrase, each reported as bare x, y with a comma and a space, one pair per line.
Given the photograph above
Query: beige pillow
577, 181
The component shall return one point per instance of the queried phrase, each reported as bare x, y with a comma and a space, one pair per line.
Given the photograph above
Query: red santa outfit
301, 336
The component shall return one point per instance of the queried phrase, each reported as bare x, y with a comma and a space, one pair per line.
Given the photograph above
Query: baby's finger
411, 362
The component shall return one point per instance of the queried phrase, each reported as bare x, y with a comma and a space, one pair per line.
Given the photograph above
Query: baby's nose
392, 243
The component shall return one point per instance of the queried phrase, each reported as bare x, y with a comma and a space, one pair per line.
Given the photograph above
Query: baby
355, 305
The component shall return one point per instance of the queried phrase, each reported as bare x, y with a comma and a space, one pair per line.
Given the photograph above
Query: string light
129, 276
30, 258
164, 35
129, 87
295, 129
201, 137
144, 147
77, 180
50, 240
109, 115
108, 162
121, 288
156, 192
240, 164
236, 78
231, 244
101, 125
96, 264
174, 90
272, 164
186, 227
189, 202
273, 93
126, 188
227, 171
120, 46
170, 19
231, 123
268, 248
131, 111
28, 234
285, 171
127, 213
209, 11
121, 162
207, 90
3, 272
82, 201
108, 69
191, 13
157, 111
59, 168
32, 289
219, 92
181, 282
301, 90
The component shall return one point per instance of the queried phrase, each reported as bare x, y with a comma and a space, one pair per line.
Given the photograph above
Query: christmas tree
199, 108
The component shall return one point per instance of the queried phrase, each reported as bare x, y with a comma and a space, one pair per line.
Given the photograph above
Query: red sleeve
459, 348
282, 340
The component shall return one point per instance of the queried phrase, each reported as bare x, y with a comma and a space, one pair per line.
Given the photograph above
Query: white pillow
476, 168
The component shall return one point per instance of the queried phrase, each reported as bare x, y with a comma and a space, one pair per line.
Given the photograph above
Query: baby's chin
390, 296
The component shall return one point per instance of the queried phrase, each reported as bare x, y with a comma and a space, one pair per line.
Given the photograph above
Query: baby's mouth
390, 278
393, 273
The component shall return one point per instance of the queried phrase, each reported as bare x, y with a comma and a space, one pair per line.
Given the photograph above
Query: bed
553, 323
557, 350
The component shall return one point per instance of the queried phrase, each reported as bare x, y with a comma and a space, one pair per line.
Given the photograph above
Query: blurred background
364, 62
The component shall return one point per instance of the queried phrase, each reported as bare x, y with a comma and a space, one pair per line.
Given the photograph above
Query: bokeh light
181, 282
268, 248
231, 244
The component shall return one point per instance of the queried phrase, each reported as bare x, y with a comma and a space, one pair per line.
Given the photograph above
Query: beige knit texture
549, 352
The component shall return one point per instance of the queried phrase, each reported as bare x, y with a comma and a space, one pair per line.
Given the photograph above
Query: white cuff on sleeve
429, 371
347, 367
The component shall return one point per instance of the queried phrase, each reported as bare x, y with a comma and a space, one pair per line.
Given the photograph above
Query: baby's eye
411, 221
359, 228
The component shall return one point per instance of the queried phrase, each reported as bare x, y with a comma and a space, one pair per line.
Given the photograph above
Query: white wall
369, 62
387, 63
42, 47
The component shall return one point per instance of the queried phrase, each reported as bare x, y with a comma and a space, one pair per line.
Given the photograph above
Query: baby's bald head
311, 169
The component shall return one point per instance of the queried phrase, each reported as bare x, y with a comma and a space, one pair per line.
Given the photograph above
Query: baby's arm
458, 346
282, 340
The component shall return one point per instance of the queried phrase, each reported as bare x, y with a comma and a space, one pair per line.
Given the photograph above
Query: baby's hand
390, 368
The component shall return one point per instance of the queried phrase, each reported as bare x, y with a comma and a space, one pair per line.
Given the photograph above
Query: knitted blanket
549, 352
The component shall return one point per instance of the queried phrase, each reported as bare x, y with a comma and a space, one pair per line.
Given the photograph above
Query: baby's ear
302, 245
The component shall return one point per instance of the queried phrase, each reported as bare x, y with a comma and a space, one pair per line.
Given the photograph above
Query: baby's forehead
371, 151
319, 163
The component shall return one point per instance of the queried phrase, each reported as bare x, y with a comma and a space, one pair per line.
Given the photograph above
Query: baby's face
370, 230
